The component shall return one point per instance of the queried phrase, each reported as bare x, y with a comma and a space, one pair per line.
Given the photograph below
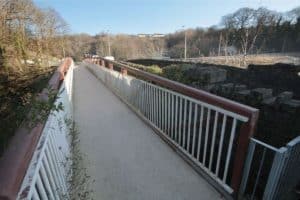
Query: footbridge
142, 137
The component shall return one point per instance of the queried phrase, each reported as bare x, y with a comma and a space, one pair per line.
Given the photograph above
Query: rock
260, 94
291, 106
240, 87
226, 88
269, 101
207, 75
284, 97
242, 95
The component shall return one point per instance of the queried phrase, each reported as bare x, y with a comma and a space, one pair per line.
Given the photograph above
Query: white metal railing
203, 132
47, 174
270, 172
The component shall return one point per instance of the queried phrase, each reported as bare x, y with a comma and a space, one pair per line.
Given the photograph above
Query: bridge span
142, 137
124, 155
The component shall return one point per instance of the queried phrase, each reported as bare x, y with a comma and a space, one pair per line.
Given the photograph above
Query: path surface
125, 157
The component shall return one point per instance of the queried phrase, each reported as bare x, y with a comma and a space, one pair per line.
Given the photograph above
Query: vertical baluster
52, 176
47, 181
143, 99
189, 127
147, 101
169, 114
229, 149
194, 129
180, 119
176, 117
165, 111
212, 148
172, 118
221, 143
153, 105
35, 195
157, 106
150, 102
184, 124
159, 109
40, 187
206, 135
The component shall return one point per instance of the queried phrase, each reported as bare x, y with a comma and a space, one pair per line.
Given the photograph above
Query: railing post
110, 66
246, 131
102, 63
123, 71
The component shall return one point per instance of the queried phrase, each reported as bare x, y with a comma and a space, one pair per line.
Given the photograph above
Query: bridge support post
102, 63
123, 71
110, 66
247, 130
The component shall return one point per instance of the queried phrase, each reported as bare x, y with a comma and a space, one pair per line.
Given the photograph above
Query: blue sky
151, 16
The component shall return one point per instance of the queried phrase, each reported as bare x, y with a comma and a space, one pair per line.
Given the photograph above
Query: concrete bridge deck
124, 156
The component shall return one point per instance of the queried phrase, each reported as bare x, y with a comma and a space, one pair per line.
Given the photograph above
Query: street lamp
184, 43
108, 42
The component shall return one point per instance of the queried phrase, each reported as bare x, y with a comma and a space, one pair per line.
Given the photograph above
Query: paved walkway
125, 157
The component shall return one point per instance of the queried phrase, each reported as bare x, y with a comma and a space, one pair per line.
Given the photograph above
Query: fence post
247, 130
247, 168
102, 63
123, 71
275, 173
110, 66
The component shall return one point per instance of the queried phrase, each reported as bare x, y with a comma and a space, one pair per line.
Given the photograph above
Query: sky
151, 16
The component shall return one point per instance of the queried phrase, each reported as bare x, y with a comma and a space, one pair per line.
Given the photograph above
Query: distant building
155, 35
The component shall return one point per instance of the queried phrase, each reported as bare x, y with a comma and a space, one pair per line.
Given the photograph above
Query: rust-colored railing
16, 158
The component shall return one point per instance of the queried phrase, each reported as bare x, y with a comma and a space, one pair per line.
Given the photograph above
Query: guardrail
274, 171
210, 132
31, 166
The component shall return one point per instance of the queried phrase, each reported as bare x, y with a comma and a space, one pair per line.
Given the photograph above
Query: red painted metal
124, 71
110, 66
102, 63
16, 158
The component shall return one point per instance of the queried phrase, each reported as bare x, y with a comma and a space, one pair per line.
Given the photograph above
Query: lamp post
108, 42
184, 43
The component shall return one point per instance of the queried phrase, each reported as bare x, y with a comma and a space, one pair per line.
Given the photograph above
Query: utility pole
108, 41
184, 43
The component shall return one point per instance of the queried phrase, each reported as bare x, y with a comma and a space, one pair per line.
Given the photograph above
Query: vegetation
31, 41
121, 46
242, 32
246, 31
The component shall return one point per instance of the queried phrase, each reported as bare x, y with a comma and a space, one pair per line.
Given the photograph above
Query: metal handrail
16, 158
246, 131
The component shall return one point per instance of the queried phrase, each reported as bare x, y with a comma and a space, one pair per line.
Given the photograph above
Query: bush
154, 69
177, 72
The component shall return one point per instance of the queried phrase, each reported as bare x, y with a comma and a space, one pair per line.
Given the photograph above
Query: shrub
177, 72
154, 69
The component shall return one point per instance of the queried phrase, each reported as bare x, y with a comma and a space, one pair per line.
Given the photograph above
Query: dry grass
240, 61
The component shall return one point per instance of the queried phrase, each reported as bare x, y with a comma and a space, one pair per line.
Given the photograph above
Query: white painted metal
176, 117
200, 133
194, 129
172, 119
212, 146
46, 176
189, 127
233, 128
206, 137
221, 144
184, 124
